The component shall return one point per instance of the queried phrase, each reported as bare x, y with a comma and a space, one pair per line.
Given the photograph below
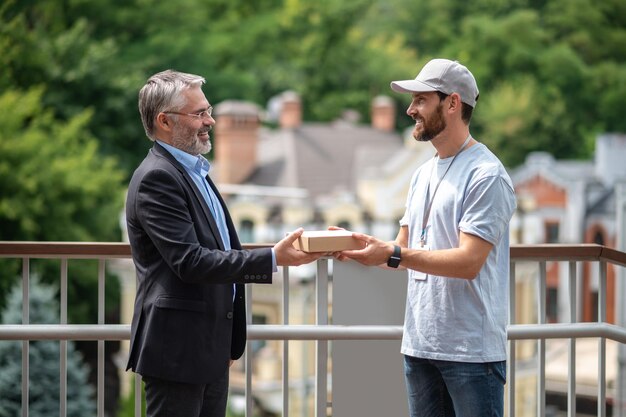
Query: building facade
566, 201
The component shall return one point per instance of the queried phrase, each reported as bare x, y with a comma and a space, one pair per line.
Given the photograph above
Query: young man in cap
454, 241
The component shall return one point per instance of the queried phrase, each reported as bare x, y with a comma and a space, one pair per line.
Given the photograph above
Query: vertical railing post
138, 395
602, 341
571, 353
541, 343
511, 356
248, 356
25, 320
63, 343
321, 351
285, 370
100, 385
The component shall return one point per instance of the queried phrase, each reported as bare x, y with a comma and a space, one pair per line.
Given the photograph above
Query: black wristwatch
394, 259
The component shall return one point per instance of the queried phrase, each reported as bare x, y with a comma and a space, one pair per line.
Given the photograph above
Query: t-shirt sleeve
404, 221
488, 208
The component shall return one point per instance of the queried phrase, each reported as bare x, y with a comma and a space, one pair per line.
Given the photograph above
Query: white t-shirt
456, 319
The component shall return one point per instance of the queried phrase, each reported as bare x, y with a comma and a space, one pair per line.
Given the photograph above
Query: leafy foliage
336, 53
54, 184
551, 74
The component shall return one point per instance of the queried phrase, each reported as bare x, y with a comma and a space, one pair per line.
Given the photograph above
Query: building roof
558, 171
320, 157
597, 175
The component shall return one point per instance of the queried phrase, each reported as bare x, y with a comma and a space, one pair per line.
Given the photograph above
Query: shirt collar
194, 163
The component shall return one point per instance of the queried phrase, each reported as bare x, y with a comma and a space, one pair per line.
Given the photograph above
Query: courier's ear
455, 101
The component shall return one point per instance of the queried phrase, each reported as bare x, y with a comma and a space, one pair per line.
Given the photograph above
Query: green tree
43, 361
54, 45
96, 54
53, 182
552, 74
55, 186
248, 50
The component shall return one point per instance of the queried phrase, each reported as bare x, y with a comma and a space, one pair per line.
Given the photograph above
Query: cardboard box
327, 241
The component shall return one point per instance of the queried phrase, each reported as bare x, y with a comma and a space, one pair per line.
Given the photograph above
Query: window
552, 232
598, 238
246, 231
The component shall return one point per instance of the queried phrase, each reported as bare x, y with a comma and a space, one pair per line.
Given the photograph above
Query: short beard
432, 127
187, 141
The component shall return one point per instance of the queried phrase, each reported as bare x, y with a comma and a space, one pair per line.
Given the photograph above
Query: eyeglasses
200, 115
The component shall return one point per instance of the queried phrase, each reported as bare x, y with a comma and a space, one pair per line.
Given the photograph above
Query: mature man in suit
189, 318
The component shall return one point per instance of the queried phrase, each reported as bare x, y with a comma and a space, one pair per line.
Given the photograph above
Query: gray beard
193, 146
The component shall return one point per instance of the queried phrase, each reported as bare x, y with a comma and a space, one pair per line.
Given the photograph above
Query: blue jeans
459, 389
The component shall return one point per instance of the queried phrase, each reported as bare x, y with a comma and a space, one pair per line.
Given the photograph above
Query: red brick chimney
290, 110
383, 113
236, 135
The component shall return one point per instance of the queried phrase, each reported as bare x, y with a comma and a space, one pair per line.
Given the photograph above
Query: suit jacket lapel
205, 208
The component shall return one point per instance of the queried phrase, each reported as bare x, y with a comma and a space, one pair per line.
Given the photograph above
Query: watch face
394, 260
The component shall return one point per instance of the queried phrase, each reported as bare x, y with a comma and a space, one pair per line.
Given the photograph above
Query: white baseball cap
442, 75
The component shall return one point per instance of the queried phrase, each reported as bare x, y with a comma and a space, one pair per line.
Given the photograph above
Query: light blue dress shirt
198, 167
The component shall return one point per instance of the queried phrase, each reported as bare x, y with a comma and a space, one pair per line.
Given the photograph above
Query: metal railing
572, 254
322, 332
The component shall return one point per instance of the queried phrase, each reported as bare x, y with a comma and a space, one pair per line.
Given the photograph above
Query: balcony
547, 363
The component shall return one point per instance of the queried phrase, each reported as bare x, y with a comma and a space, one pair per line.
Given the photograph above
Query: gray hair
163, 92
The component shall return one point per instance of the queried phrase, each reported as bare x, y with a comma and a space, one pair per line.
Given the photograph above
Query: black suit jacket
186, 325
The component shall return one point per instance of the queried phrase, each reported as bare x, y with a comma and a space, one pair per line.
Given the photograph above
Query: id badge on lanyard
417, 275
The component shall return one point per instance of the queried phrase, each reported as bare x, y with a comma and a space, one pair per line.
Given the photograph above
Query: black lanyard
428, 203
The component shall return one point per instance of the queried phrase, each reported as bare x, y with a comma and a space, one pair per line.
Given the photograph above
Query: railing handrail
78, 250
566, 331
567, 252
548, 251
308, 332
255, 332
